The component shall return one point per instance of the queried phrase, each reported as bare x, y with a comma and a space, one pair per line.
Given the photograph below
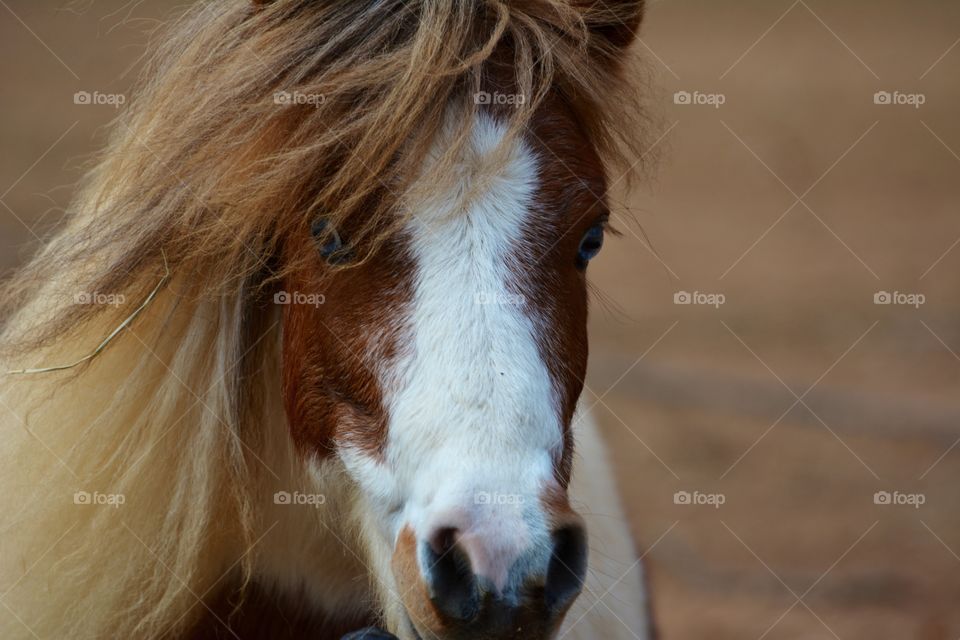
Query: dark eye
590, 245
329, 243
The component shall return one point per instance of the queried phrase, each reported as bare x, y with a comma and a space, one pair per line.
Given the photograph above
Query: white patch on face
474, 425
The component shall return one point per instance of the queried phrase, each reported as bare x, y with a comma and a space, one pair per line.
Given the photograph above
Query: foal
348, 245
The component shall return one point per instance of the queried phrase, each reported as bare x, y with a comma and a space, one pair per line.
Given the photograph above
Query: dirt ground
788, 195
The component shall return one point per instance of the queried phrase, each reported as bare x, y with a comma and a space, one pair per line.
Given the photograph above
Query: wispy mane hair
253, 120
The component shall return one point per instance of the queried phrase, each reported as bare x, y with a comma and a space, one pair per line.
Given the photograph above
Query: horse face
443, 374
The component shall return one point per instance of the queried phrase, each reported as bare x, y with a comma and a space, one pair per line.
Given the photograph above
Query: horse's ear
614, 22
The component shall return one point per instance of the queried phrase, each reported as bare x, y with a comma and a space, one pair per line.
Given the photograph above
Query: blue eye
590, 245
329, 243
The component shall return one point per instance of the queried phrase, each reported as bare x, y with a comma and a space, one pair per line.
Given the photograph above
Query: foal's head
443, 367
425, 179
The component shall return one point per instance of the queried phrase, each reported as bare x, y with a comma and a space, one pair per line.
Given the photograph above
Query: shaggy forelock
208, 167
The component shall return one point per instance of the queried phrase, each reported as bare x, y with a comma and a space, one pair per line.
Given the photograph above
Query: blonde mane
210, 169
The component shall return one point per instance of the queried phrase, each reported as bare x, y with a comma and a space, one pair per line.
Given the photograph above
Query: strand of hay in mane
113, 334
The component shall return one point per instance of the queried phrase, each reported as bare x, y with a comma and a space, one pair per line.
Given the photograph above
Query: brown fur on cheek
335, 352
570, 199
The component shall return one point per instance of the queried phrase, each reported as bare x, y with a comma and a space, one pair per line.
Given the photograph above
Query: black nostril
568, 567
450, 581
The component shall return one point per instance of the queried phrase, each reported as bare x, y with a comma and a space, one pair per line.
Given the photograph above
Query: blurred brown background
798, 200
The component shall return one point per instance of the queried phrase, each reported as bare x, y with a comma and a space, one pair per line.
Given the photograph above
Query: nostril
451, 584
568, 567
443, 539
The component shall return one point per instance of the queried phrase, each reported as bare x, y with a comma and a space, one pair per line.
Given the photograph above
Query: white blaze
473, 418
